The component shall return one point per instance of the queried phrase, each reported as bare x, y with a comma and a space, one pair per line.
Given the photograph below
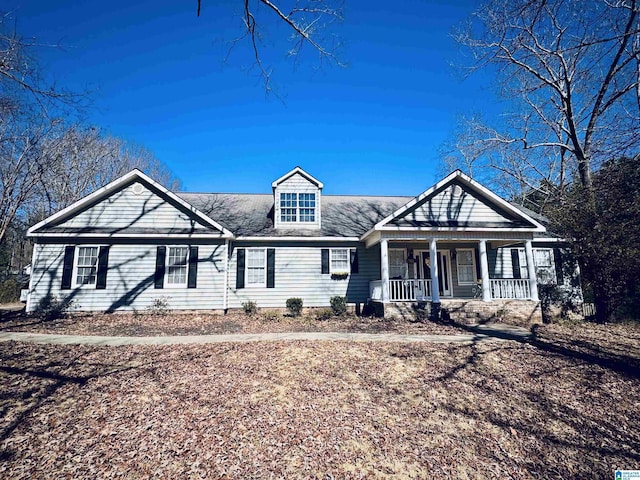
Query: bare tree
47, 162
570, 71
308, 22
82, 159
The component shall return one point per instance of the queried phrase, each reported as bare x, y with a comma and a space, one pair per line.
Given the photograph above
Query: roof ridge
324, 194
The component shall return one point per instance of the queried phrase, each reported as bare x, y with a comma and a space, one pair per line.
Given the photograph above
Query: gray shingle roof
342, 215
252, 214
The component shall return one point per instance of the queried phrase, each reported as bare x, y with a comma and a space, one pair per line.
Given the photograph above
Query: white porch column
484, 272
531, 270
435, 286
384, 268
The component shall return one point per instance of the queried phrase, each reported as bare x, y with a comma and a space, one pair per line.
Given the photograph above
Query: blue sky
158, 78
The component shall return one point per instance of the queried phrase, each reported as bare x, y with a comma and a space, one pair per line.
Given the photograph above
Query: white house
456, 245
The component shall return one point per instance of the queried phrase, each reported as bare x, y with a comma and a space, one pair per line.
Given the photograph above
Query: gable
297, 183
457, 205
298, 174
133, 205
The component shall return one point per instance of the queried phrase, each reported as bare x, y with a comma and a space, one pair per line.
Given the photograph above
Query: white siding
127, 209
298, 274
461, 207
298, 182
130, 280
500, 264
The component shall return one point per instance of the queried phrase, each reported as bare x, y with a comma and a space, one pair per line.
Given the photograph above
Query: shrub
159, 306
51, 307
294, 305
324, 314
9, 291
338, 305
250, 307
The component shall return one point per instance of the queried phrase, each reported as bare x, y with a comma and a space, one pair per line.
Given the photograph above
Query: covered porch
479, 269
456, 241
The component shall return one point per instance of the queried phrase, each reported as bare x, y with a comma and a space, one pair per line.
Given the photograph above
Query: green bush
250, 307
324, 314
52, 307
294, 305
338, 305
9, 291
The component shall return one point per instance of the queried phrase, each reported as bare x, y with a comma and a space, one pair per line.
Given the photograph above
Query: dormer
297, 199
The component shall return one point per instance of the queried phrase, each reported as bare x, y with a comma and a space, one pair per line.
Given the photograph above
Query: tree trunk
603, 305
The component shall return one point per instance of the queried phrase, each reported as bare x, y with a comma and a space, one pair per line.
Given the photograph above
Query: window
177, 266
256, 267
397, 263
545, 269
465, 259
307, 207
87, 266
288, 207
339, 260
298, 207
542, 257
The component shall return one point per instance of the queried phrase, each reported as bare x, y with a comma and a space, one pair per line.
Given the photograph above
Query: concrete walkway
476, 334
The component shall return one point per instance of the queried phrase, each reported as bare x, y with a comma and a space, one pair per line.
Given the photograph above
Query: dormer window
297, 201
298, 207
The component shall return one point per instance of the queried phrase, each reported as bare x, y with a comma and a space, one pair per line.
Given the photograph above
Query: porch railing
517, 288
409, 290
413, 290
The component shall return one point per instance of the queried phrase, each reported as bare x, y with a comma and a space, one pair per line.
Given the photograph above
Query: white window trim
549, 253
263, 284
473, 265
337, 272
522, 258
315, 207
74, 272
166, 268
298, 208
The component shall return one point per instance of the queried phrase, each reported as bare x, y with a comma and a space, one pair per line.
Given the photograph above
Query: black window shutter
67, 267
557, 260
160, 262
515, 262
354, 260
103, 266
478, 269
193, 268
325, 260
240, 269
271, 267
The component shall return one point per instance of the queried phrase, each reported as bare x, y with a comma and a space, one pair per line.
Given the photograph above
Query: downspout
28, 307
225, 297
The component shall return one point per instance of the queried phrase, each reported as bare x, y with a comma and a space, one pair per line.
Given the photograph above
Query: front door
444, 270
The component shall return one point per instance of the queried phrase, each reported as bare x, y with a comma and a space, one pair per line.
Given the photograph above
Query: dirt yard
118, 324
324, 410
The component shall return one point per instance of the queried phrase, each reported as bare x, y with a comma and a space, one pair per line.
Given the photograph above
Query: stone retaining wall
524, 313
